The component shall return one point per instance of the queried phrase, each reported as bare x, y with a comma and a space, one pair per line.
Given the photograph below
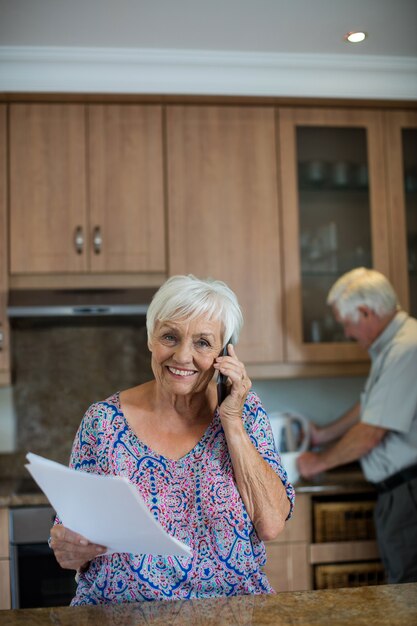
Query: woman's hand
239, 384
72, 551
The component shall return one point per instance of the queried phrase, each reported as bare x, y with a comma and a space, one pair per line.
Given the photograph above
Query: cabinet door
47, 188
223, 212
287, 566
334, 219
126, 196
402, 177
4, 327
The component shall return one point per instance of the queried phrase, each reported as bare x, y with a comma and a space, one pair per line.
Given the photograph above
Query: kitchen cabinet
4, 247
5, 595
335, 218
223, 212
329, 542
401, 154
278, 201
86, 189
287, 566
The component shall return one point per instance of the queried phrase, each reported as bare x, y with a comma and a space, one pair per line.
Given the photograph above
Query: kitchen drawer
348, 575
344, 521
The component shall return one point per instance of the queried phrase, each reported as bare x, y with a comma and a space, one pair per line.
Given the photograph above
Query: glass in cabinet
334, 219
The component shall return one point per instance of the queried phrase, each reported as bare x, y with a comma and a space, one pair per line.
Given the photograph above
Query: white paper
107, 510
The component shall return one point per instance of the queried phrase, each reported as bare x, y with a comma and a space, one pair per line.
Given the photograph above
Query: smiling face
183, 353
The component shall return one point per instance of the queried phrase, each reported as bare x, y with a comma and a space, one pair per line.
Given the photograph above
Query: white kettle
291, 433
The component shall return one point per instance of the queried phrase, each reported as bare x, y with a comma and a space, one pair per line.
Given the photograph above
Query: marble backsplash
60, 367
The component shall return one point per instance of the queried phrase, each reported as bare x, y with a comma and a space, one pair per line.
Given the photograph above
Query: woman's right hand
72, 550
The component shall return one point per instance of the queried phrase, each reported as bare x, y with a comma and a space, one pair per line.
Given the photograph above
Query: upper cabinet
401, 154
277, 201
48, 204
4, 326
335, 218
223, 212
86, 189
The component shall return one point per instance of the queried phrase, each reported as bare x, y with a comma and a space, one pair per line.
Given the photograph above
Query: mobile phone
222, 388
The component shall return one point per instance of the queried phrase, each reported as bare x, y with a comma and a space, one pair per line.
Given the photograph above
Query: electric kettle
291, 433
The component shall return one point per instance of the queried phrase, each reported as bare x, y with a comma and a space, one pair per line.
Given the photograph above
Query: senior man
381, 429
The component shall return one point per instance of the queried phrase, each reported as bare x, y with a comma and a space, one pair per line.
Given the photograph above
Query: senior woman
209, 474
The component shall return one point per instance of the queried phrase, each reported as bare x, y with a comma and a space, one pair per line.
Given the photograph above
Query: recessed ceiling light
355, 36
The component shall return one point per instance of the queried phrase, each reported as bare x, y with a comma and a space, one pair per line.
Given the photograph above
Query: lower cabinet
329, 543
288, 567
5, 595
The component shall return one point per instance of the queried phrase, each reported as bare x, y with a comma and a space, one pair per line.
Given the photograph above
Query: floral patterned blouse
194, 498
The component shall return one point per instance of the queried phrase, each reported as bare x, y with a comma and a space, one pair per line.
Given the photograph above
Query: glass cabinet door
334, 219
402, 170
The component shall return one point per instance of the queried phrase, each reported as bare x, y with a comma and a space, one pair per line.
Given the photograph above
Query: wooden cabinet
126, 191
4, 247
5, 591
48, 204
276, 201
288, 567
223, 212
335, 218
329, 542
401, 154
86, 189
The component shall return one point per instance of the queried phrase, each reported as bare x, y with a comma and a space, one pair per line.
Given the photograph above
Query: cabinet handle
1, 339
79, 240
97, 240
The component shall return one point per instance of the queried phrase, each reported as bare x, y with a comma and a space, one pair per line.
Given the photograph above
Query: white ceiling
261, 35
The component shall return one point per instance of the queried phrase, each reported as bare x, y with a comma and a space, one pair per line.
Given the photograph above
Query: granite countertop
23, 491
383, 605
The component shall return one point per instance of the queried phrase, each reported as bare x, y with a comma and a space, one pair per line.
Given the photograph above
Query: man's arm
333, 431
355, 443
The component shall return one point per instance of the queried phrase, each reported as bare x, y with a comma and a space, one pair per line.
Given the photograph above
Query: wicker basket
348, 575
343, 521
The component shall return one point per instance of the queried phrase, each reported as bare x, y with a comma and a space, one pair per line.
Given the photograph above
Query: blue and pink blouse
194, 498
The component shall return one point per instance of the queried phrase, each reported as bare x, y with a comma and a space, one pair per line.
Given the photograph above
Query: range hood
79, 302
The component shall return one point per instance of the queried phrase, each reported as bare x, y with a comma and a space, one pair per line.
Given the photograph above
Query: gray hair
188, 296
363, 287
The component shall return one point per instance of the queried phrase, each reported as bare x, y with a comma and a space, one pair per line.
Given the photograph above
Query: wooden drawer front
343, 521
343, 551
348, 575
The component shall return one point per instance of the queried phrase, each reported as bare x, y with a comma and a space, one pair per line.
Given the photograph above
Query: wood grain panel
126, 188
287, 566
395, 123
223, 212
4, 248
343, 551
47, 187
4, 533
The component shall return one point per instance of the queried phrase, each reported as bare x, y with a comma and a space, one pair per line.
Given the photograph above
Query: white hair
188, 296
363, 287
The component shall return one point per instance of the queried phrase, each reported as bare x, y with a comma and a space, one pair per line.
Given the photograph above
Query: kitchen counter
384, 605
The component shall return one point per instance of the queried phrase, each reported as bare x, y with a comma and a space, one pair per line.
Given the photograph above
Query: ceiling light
355, 36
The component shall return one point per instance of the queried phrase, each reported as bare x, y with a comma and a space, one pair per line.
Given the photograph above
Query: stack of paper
107, 510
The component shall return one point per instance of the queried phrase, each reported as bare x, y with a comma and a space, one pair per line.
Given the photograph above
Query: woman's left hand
239, 384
